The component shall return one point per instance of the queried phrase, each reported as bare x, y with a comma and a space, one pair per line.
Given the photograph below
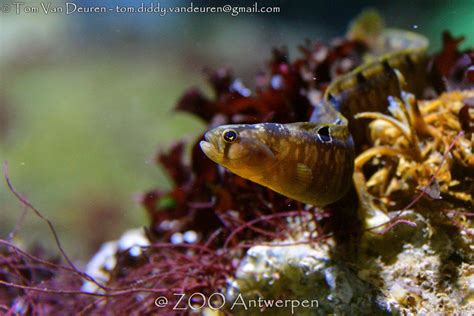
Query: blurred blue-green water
86, 99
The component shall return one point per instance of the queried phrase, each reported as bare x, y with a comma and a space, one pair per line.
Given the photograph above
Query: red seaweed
228, 213
451, 68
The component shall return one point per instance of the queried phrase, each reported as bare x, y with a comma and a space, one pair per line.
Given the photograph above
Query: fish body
309, 162
313, 162
400, 67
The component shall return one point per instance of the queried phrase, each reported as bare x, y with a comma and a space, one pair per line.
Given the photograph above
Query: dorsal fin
326, 112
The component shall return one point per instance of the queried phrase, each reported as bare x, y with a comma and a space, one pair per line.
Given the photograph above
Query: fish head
241, 148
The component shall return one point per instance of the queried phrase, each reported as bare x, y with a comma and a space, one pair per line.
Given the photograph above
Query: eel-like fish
313, 162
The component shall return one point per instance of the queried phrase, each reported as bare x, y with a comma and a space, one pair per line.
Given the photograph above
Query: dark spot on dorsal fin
409, 61
361, 78
386, 66
331, 98
324, 134
388, 69
333, 101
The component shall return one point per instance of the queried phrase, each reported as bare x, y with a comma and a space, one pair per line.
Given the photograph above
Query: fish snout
210, 146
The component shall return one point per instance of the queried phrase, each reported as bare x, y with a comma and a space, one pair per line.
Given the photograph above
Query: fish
287, 158
313, 162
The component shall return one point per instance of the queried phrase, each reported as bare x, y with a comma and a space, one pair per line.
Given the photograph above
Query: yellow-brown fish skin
292, 159
399, 64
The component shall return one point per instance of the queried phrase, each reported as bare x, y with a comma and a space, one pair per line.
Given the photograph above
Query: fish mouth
208, 137
209, 146
206, 147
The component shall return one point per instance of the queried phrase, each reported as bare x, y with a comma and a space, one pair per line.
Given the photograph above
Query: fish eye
229, 135
324, 134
